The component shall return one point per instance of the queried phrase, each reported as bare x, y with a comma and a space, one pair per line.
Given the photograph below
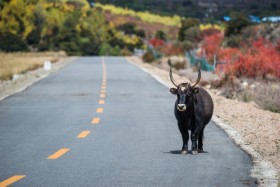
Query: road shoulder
23, 81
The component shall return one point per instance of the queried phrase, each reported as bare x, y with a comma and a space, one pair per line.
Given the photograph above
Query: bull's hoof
200, 150
194, 152
184, 152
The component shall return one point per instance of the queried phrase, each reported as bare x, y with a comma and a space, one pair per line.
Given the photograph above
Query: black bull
193, 111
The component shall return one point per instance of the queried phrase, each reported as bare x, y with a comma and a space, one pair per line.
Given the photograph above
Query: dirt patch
22, 81
255, 130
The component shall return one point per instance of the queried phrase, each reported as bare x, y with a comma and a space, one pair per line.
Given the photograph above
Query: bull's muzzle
181, 107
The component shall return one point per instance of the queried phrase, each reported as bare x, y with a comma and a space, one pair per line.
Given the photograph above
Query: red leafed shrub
277, 47
228, 54
212, 45
208, 32
258, 60
170, 49
156, 42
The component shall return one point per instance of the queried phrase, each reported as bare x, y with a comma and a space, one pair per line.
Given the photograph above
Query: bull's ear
173, 90
195, 90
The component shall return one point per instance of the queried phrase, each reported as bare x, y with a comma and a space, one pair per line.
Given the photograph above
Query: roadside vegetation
71, 26
245, 57
18, 63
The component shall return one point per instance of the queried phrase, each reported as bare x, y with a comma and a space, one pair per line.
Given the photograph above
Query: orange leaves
212, 44
170, 49
257, 60
156, 42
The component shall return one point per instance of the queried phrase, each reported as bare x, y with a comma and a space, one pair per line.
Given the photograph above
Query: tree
160, 35
185, 25
10, 42
107, 50
128, 28
236, 24
141, 33
68, 38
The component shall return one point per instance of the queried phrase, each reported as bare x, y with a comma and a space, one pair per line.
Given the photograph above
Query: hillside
201, 8
149, 23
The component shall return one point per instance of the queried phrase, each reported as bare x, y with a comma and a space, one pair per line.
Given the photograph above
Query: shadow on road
178, 152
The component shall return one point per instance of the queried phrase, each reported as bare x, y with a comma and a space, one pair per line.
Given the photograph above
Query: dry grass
264, 93
17, 63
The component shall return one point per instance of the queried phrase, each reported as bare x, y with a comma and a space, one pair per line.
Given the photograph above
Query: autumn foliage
170, 49
212, 44
257, 60
156, 42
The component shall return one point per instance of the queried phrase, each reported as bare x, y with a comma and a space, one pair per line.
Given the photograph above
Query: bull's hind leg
200, 140
195, 131
185, 137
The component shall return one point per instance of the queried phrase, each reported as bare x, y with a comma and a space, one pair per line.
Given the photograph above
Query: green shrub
128, 28
34, 37
160, 35
234, 41
126, 52
193, 34
185, 45
10, 42
236, 24
185, 25
148, 57
90, 48
179, 65
107, 50
70, 47
44, 46
141, 33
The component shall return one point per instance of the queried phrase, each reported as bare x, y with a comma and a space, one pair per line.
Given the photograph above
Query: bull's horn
198, 78
171, 77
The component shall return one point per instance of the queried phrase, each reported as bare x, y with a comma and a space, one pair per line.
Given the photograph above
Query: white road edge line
263, 170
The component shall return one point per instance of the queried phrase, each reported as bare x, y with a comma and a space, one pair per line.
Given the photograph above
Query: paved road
107, 124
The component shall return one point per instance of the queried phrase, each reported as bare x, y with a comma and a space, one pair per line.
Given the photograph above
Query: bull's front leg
195, 130
185, 136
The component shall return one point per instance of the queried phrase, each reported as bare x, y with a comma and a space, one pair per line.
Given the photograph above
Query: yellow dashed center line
83, 134
99, 110
58, 153
95, 120
11, 180
102, 92
101, 102
102, 95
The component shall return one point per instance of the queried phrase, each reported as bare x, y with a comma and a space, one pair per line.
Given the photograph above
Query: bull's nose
181, 107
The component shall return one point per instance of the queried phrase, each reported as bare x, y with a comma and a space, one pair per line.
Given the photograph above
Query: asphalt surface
135, 142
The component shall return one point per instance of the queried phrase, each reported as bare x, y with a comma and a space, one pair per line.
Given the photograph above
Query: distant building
274, 19
254, 19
